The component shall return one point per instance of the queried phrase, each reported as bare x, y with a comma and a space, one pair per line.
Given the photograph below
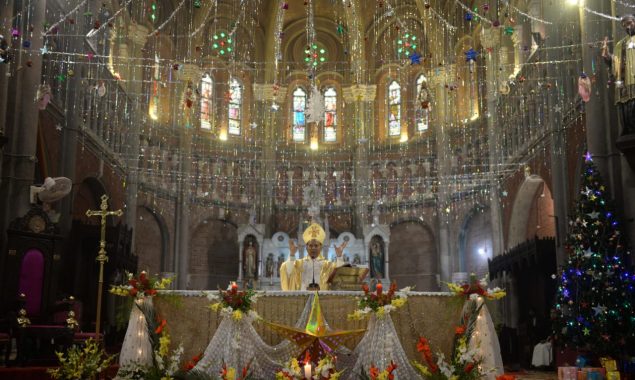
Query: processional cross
102, 257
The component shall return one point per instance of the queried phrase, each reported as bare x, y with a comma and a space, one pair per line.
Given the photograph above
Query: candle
307, 371
234, 287
379, 288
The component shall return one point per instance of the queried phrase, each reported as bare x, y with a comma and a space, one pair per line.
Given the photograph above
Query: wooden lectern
348, 278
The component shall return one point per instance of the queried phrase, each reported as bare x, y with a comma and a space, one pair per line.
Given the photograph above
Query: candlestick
379, 288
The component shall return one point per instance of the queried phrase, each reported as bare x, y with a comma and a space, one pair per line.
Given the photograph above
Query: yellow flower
398, 302
336, 375
421, 368
383, 375
237, 315
164, 283
215, 306
380, 313
166, 378
231, 373
454, 288
164, 345
355, 316
454, 377
295, 366
498, 294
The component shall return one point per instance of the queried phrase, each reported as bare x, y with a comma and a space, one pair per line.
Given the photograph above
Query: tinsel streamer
111, 19
209, 12
467, 9
178, 8
527, 15
624, 3
49, 30
589, 10
443, 20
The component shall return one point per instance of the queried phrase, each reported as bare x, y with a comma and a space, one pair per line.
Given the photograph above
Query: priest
313, 271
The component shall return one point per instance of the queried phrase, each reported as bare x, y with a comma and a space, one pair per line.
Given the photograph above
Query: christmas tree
594, 300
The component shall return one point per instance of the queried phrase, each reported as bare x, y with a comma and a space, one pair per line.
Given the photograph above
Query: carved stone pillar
439, 80
491, 41
188, 73
267, 98
360, 103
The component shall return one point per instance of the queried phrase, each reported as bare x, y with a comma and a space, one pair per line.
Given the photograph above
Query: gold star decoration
316, 337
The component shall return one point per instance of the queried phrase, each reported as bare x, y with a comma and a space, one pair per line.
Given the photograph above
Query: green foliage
81, 362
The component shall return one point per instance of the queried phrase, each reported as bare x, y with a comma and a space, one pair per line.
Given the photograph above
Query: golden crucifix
101, 255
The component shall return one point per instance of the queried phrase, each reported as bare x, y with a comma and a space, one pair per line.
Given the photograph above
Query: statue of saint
269, 266
377, 183
313, 271
622, 64
376, 257
250, 260
279, 263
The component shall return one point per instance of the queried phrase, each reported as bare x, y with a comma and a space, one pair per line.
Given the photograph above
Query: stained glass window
421, 114
330, 115
207, 88
235, 103
299, 108
394, 109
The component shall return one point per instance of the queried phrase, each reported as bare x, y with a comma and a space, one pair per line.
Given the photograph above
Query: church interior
432, 142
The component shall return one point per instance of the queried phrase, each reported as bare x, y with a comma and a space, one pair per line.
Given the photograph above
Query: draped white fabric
379, 346
136, 348
485, 341
237, 344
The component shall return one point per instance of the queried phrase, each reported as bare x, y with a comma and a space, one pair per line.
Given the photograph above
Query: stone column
491, 40
360, 101
138, 35
442, 121
269, 132
22, 119
187, 73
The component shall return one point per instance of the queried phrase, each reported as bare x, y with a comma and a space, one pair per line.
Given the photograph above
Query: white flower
388, 308
473, 296
211, 296
366, 310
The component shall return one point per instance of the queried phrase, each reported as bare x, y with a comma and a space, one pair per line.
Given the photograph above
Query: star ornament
586, 331
471, 55
594, 215
599, 310
415, 58
316, 338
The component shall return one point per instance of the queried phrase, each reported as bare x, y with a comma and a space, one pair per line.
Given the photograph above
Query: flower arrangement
475, 289
379, 302
233, 302
141, 286
81, 362
374, 373
325, 369
291, 371
165, 365
464, 364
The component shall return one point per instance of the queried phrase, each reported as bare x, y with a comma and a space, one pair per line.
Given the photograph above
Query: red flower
150, 292
365, 288
133, 292
459, 330
133, 282
374, 372
142, 276
391, 367
469, 367
160, 327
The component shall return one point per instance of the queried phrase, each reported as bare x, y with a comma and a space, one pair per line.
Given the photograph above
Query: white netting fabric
485, 341
378, 347
237, 344
136, 348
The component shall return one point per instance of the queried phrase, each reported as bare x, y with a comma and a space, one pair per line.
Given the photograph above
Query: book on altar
348, 277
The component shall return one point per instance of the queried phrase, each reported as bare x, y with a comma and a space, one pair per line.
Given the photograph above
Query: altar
430, 314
